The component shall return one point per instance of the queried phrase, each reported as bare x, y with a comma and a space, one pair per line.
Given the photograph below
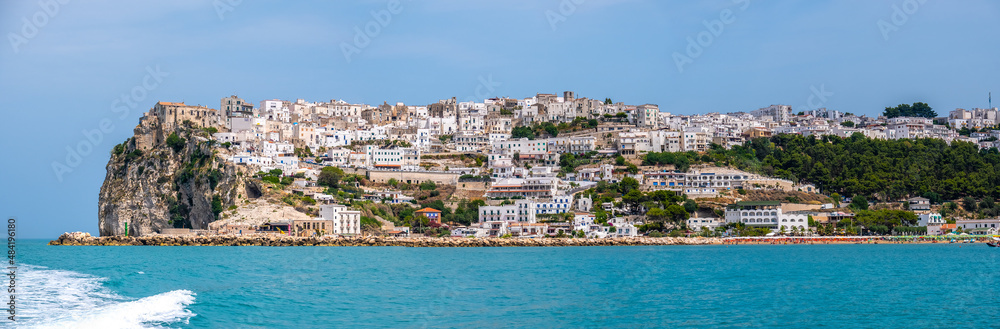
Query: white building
522, 211
765, 214
932, 221
530, 187
345, 221
978, 226
696, 223
648, 116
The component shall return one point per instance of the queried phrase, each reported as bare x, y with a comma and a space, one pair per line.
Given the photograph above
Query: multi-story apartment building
521, 145
777, 113
695, 139
633, 143
233, 106
529, 187
522, 211
665, 141
392, 158
648, 116
575, 145
470, 142
345, 221
765, 214
525, 211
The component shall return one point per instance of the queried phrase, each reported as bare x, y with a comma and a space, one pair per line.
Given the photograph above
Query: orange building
433, 214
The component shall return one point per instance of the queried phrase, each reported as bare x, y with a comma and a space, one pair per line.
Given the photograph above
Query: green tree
836, 199
428, 186
969, 203
690, 205
859, 203
631, 168
175, 142
330, 176
628, 184
632, 199
906, 110
656, 214
849, 124
551, 130
620, 160
934, 197
676, 213
567, 161
216, 206
522, 132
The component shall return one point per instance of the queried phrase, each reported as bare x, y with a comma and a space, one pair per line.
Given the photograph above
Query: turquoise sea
796, 286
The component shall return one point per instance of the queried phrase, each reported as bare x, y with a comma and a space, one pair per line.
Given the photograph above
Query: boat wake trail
67, 299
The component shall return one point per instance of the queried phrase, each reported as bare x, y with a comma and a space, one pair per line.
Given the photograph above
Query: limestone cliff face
155, 182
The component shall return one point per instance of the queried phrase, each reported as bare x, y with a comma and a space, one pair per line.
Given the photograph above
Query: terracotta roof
428, 209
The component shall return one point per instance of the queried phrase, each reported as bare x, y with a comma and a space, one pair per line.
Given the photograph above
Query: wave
66, 299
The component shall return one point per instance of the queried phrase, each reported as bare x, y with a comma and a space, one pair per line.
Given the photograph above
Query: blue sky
65, 77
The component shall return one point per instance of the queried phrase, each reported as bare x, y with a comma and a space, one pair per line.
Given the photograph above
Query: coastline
84, 239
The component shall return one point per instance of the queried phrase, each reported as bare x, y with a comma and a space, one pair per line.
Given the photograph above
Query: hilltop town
542, 166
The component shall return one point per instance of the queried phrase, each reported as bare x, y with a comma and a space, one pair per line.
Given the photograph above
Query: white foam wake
66, 299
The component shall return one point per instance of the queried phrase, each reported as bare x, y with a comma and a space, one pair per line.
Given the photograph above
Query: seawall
84, 239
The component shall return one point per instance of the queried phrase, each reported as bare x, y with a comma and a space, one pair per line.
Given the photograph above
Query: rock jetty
84, 239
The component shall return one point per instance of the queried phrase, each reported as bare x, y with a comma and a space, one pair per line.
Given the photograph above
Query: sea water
790, 286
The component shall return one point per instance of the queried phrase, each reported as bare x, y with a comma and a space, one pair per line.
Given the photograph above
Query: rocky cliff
169, 179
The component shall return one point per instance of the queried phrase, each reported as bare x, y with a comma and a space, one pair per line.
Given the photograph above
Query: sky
76, 75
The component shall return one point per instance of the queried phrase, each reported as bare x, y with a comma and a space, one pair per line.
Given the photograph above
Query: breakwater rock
84, 239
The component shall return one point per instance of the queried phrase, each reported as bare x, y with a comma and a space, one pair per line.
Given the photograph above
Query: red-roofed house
433, 214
